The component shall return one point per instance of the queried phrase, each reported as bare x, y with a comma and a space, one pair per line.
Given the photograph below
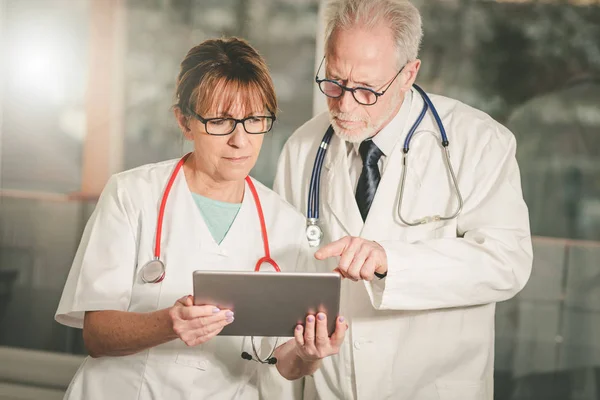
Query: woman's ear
183, 122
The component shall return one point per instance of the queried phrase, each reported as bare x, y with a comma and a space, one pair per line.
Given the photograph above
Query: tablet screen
269, 303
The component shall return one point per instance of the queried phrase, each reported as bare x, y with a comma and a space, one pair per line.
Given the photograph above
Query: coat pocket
193, 360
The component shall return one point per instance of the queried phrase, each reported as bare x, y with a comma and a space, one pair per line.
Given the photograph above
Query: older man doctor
421, 299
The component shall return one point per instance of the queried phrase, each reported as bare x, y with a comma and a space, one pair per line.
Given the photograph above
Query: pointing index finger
333, 249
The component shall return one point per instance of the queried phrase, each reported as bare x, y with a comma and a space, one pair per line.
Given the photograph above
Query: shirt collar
387, 137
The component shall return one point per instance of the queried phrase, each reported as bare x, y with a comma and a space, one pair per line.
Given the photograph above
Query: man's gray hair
401, 16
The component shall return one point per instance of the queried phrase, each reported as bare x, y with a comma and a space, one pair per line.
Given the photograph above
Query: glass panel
43, 116
159, 36
43, 125
535, 67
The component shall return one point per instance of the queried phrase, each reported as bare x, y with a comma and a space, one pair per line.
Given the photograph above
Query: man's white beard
369, 131
352, 137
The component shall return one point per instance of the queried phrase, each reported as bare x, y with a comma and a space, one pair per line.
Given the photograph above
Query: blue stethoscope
314, 233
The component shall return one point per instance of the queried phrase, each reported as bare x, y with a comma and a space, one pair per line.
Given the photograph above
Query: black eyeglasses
254, 125
362, 95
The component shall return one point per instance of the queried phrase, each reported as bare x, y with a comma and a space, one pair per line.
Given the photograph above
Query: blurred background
86, 89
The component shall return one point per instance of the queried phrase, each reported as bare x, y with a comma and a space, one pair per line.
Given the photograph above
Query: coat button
357, 345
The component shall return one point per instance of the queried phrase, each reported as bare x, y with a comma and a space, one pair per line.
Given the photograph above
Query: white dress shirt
386, 139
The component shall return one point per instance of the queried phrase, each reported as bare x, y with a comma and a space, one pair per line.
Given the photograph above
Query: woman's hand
195, 325
313, 343
302, 355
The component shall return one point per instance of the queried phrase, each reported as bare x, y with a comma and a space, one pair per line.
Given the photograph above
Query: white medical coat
425, 332
119, 239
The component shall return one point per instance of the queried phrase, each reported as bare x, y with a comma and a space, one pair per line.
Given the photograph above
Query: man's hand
359, 258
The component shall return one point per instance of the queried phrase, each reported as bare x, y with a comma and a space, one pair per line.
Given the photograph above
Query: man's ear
411, 70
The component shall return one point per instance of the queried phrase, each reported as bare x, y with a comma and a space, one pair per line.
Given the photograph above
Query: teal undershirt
218, 215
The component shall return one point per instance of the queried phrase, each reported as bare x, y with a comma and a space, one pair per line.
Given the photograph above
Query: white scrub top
119, 239
426, 331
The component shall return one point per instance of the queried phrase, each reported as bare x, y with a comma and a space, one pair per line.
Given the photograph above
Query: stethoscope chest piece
314, 234
153, 271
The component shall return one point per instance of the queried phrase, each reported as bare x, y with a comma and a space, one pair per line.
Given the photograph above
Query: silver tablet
269, 303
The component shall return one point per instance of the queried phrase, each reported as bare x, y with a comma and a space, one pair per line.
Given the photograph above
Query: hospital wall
534, 66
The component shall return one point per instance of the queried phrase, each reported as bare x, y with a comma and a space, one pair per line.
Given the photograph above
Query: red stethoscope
154, 270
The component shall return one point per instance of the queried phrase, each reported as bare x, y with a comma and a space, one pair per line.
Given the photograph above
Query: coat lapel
385, 203
339, 196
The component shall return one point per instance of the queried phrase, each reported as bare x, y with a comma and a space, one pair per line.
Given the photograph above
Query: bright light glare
38, 65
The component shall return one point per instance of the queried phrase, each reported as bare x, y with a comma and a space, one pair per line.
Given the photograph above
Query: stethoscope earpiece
269, 360
247, 356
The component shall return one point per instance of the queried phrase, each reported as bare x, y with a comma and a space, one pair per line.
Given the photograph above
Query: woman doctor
145, 337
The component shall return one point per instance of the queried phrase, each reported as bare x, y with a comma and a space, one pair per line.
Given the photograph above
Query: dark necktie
369, 177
